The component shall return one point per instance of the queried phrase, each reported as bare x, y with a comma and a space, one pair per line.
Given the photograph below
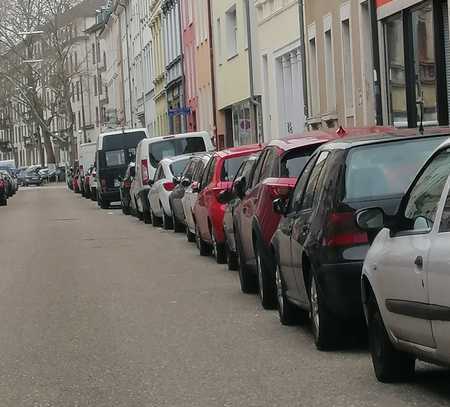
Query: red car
208, 212
255, 220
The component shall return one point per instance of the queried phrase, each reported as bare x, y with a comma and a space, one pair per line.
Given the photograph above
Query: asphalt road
98, 309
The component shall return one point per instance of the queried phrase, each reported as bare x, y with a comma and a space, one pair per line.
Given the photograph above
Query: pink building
189, 61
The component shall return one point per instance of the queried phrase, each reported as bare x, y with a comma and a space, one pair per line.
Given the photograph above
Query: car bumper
111, 196
340, 286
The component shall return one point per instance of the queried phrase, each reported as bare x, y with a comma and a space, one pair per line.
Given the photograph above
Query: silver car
406, 275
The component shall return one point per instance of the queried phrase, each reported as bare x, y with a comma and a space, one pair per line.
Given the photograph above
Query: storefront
415, 62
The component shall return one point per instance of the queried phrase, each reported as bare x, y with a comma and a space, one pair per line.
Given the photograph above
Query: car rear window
293, 163
231, 167
387, 169
115, 158
173, 147
178, 167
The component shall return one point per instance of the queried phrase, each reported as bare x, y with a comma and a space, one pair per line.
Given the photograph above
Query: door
301, 228
201, 209
402, 276
285, 231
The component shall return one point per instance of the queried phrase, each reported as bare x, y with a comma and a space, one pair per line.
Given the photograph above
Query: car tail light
343, 231
144, 168
127, 184
103, 184
2, 184
169, 186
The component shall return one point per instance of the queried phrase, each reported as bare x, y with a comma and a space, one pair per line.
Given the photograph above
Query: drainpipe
253, 101
213, 76
376, 62
301, 6
183, 81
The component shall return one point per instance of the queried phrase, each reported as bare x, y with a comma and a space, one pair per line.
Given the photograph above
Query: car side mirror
280, 206
239, 187
195, 187
225, 197
176, 180
150, 182
185, 182
371, 219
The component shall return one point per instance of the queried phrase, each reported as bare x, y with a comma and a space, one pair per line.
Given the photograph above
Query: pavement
98, 309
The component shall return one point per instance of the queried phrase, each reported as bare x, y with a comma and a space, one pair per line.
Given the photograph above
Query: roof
237, 151
355, 140
117, 133
86, 8
323, 136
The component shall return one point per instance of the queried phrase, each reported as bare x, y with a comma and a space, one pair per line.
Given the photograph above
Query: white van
86, 159
150, 152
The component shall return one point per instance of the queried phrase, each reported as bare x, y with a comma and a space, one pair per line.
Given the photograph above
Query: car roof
355, 140
237, 151
118, 132
170, 160
151, 140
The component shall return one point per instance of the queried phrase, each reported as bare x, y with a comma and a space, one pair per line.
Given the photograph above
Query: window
159, 174
78, 91
310, 191
95, 85
293, 163
115, 158
189, 170
347, 65
313, 82
173, 147
269, 163
178, 167
258, 168
329, 72
219, 41
76, 61
230, 167
93, 54
231, 32
425, 196
300, 186
199, 171
97, 118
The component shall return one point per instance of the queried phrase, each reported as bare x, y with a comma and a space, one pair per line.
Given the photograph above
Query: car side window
189, 170
424, 197
310, 191
211, 170
444, 227
258, 168
205, 176
159, 173
300, 186
268, 164
199, 171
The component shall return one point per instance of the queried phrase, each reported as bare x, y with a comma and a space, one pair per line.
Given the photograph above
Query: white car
93, 184
190, 196
406, 275
164, 182
150, 152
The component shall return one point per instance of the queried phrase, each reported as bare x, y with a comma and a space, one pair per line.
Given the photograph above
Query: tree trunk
48, 147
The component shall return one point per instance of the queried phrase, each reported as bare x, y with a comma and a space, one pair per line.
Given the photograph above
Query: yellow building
235, 112
159, 70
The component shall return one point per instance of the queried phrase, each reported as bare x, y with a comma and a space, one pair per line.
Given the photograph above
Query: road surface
98, 309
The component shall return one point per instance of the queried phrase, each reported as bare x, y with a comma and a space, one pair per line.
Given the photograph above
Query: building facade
339, 63
281, 65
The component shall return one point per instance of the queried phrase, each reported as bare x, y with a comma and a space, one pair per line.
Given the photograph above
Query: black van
115, 150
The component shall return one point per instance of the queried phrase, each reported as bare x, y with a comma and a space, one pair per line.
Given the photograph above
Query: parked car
150, 152
254, 219
191, 193
115, 150
406, 279
86, 159
87, 181
125, 186
232, 200
76, 181
208, 211
319, 249
20, 174
93, 183
166, 177
3, 191
32, 177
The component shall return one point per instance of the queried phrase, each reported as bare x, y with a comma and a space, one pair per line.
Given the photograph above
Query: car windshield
178, 167
231, 167
173, 147
386, 169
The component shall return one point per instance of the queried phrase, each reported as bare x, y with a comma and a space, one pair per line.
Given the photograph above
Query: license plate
116, 183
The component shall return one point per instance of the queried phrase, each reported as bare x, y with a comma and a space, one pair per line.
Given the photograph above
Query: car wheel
189, 235
178, 227
218, 250
4, 202
147, 218
156, 222
166, 221
390, 365
93, 196
325, 327
203, 247
266, 282
288, 313
248, 281
125, 209
232, 259
104, 204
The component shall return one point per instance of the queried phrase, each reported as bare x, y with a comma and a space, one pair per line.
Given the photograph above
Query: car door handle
419, 261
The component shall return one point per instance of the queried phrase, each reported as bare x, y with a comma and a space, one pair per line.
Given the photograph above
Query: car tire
178, 227
218, 250
147, 217
288, 313
325, 326
4, 202
248, 280
266, 281
189, 235
166, 220
232, 259
156, 222
203, 247
93, 196
390, 365
125, 209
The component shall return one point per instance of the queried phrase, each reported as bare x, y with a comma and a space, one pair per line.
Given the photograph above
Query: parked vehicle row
297, 218
8, 186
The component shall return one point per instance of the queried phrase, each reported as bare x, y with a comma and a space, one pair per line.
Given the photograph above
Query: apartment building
281, 64
414, 62
237, 113
161, 124
339, 63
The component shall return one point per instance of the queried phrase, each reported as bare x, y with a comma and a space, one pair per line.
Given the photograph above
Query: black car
232, 199
32, 177
175, 199
125, 185
3, 191
319, 249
